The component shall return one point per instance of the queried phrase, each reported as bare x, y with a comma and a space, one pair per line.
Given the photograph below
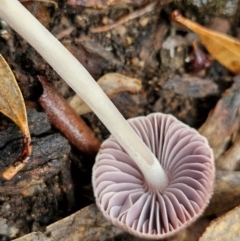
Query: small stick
136, 14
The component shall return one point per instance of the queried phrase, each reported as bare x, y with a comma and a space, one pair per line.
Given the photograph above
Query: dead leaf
12, 105
224, 228
223, 48
111, 84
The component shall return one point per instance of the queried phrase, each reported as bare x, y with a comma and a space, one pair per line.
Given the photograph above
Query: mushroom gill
126, 199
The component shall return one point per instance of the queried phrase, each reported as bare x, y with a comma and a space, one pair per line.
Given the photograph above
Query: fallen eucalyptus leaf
12, 105
223, 48
111, 84
224, 228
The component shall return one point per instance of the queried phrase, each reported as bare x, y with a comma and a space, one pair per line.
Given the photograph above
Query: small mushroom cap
125, 198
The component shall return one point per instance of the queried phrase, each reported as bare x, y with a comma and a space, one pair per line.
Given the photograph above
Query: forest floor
150, 48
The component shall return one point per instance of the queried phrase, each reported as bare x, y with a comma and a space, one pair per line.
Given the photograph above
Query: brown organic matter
223, 48
52, 197
66, 120
12, 105
223, 120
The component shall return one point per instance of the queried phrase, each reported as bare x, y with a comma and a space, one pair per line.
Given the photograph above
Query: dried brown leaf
12, 105
223, 48
224, 228
111, 84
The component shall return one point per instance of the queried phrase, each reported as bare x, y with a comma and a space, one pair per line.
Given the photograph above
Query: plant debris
66, 120
135, 14
192, 86
223, 48
52, 195
111, 84
12, 105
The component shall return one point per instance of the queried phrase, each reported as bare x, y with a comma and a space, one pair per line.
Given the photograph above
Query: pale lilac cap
125, 198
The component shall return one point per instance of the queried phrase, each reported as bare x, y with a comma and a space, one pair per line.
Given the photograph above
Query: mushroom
78, 78
140, 160
126, 198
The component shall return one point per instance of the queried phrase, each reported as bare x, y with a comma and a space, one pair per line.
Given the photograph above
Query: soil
58, 180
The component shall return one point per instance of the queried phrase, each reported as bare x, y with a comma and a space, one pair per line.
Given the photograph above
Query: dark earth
57, 180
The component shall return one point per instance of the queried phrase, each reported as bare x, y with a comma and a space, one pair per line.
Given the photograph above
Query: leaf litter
112, 84
12, 105
227, 105
222, 47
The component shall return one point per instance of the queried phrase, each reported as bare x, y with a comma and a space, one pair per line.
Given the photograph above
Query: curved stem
78, 78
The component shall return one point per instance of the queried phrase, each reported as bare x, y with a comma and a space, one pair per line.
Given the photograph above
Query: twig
136, 14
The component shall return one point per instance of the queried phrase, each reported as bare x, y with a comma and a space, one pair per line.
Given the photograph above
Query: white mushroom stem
78, 78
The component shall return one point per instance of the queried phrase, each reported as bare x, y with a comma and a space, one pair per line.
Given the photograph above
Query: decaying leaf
223, 121
224, 228
111, 84
223, 48
12, 105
